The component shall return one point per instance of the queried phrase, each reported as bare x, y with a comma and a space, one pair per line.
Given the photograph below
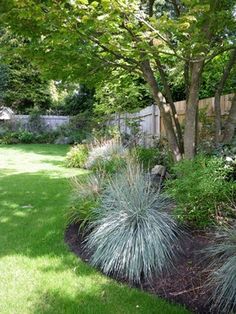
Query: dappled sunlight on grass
28, 161
38, 274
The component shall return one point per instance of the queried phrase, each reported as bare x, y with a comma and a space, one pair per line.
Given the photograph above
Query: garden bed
184, 285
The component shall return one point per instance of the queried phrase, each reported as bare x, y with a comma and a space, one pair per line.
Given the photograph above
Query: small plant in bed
151, 156
132, 236
77, 156
203, 190
222, 280
85, 198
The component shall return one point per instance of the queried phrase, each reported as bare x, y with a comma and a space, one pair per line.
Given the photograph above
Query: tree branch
217, 53
117, 65
114, 53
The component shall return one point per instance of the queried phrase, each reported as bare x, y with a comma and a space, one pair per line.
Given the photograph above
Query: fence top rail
43, 116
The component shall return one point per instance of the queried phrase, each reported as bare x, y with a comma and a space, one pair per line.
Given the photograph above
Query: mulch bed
185, 285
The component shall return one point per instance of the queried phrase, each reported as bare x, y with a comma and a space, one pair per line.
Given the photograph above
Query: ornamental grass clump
222, 280
91, 186
85, 197
101, 154
133, 237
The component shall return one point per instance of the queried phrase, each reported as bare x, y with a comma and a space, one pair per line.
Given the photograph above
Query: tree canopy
86, 40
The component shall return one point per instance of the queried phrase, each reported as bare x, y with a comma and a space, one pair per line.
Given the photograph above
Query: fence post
153, 120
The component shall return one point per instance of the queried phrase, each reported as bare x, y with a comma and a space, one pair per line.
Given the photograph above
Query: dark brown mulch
185, 285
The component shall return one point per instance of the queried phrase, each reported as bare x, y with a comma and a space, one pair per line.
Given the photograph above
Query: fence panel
151, 123
50, 122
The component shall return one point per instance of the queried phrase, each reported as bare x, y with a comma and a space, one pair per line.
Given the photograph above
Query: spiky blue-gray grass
133, 236
222, 281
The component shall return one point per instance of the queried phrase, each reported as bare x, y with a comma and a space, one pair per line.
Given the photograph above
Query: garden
118, 156
38, 272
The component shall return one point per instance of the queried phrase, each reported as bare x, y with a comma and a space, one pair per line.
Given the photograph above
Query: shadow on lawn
104, 299
41, 149
32, 224
32, 215
99, 302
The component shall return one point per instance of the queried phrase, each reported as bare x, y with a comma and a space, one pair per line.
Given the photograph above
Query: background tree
22, 86
120, 93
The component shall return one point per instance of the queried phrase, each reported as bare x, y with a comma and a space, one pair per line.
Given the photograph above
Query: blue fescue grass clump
133, 237
222, 280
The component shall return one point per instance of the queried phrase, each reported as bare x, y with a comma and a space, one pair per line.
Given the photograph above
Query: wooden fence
148, 120
50, 122
206, 103
151, 122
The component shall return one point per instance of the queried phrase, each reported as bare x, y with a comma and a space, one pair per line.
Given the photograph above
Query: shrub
202, 191
228, 153
222, 280
79, 128
26, 137
35, 124
9, 138
77, 156
132, 236
148, 157
46, 137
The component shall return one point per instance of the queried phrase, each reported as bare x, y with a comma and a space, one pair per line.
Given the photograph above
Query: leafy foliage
149, 157
121, 93
115, 164
27, 137
24, 87
222, 281
202, 191
9, 138
77, 156
228, 153
132, 236
79, 100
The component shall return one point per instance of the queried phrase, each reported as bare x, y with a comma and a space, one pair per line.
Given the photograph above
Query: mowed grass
38, 274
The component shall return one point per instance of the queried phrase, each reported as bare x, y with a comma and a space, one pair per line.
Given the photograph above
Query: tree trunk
172, 105
164, 109
218, 92
217, 116
230, 124
191, 120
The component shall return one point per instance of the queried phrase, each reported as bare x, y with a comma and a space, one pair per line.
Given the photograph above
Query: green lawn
38, 274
